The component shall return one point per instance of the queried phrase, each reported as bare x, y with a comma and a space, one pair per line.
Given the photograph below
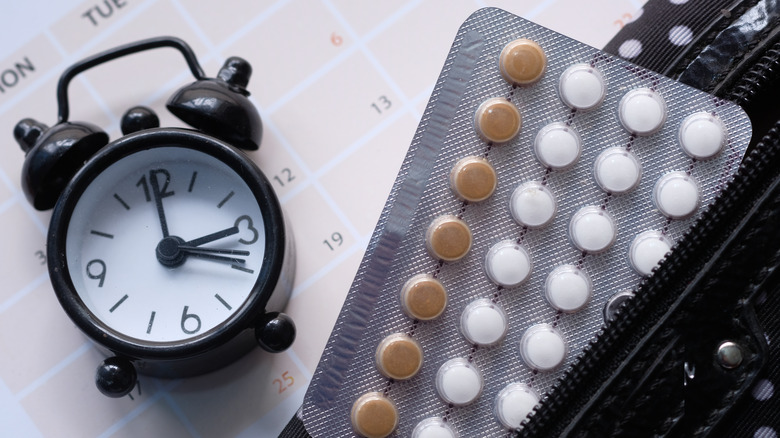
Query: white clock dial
165, 244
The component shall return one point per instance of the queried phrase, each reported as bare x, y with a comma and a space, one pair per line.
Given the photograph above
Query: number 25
283, 387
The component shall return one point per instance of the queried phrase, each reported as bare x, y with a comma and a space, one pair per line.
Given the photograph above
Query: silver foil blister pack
360, 388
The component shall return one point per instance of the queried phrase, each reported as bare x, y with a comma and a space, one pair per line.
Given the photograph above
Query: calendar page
340, 85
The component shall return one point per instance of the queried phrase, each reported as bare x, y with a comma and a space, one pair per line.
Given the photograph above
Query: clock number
185, 316
337, 240
250, 227
100, 275
285, 177
282, 386
161, 192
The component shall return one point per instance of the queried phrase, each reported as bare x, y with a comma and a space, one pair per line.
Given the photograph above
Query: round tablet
592, 229
448, 238
568, 288
522, 62
676, 195
647, 250
497, 120
582, 87
433, 427
473, 179
483, 322
532, 205
557, 146
542, 347
423, 297
514, 403
702, 135
374, 415
617, 170
614, 302
459, 382
642, 111
507, 263
399, 356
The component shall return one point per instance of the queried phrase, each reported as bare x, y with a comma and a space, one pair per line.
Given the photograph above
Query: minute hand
212, 237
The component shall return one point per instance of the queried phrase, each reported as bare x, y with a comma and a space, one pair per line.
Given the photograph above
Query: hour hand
212, 237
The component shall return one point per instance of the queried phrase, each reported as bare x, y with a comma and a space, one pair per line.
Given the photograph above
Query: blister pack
545, 181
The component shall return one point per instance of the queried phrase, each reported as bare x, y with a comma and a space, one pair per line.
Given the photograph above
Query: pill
459, 382
473, 179
558, 146
568, 288
614, 302
498, 120
702, 135
483, 322
448, 238
399, 356
522, 62
542, 347
617, 170
507, 263
582, 87
514, 403
433, 427
532, 205
642, 111
374, 415
676, 195
592, 229
647, 250
423, 297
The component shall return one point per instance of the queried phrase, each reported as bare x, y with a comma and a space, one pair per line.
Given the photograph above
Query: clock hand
192, 249
216, 258
159, 195
212, 237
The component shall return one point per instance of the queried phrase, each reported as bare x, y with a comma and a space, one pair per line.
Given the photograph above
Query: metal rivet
729, 355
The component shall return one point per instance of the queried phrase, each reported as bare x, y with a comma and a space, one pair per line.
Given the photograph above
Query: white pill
433, 427
532, 205
507, 263
514, 403
642, 111
557, 146
702, 135
542, 347
592, 229
582, 87
568, 288
458, 382
647, 250
617, 170
676, 195
483, 322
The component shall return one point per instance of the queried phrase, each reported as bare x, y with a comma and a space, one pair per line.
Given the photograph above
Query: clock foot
116, 377
275, 332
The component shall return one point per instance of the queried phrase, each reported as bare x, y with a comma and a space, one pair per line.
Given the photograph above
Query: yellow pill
473, 179
423, 297
374, 415
498, 120
399, 357
522, 62
448, 238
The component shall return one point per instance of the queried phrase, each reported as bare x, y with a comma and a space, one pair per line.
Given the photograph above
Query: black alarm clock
167, 247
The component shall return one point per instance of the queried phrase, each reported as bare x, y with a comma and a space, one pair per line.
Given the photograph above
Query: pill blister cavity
614, 302
617, 170
459, 382
558, 146
483, 322
582, 87
498, 120
448, 238
473, 179
507, 263
399, 356
642, 111
522, 62
592, 230
532, 205
433, 427
542, 347
514, 403
702, 135
676, 195
423, 297
647, 250
374, 415
568, 288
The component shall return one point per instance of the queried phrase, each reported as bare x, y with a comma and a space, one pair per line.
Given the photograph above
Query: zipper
562, 412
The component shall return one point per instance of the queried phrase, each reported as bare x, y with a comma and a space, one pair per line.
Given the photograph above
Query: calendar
340, 85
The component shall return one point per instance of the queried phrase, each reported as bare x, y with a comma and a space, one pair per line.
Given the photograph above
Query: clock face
165, 245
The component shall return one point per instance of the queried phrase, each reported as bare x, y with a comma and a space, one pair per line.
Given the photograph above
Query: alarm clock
167, 247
